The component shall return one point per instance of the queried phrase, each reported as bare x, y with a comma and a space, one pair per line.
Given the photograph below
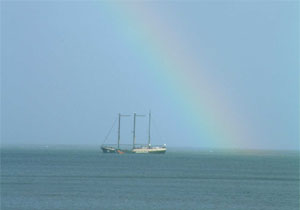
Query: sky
215, 74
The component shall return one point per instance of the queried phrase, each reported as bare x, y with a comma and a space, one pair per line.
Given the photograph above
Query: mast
133, 143
134, 122
149, 134
119, 128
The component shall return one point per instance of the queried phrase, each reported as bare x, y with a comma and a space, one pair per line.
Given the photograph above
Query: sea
82, 177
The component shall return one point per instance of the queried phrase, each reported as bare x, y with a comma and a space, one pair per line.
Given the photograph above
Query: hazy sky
215, 74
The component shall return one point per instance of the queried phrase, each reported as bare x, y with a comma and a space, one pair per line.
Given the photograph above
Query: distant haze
214, 74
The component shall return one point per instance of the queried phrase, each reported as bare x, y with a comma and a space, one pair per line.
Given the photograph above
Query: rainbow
207, 108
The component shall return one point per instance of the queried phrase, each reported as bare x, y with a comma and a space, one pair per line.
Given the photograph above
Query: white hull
141, 150
149, 150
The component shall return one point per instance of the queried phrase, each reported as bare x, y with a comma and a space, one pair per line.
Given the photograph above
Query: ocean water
83, 178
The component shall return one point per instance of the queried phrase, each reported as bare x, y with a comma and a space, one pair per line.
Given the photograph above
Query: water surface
58, 177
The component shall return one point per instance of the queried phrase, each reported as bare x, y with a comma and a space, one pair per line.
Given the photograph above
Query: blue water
83, 178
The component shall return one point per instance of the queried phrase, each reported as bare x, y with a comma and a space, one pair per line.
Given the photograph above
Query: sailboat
134, 148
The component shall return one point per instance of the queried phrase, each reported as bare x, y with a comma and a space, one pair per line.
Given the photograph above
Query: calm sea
83, 178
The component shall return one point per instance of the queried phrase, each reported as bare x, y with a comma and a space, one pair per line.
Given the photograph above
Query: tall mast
119, 128
149, 134
134, 120
133, 143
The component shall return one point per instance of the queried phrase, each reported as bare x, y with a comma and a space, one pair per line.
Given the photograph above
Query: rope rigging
157, 130
110, 130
